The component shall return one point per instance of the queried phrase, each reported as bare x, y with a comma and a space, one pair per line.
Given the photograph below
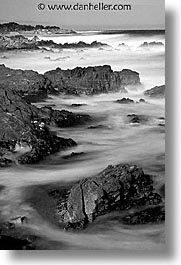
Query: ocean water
117, 141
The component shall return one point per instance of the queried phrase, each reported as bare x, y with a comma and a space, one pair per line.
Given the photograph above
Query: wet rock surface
92, 80
21, 126
156, 92
151, 215
63, 118
27, 83
117, 187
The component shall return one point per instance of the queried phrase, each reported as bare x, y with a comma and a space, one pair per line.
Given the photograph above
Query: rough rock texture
76, 45
117, 187
134, 118
156, 92
92, 80
20, 124
125, 101
63, 118
20, 42
38, 29
151, 215
16, 42
29, 84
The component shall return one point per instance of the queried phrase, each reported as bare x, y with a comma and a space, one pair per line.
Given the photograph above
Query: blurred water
117, 142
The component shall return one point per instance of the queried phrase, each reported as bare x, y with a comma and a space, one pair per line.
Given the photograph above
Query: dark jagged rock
28, 84
134, 118
151, 215
142, 100
151, 44
76, 45
22, 43
16, 42
156, 92
92, 80
125, 101
20, 124
63, 118
117, 187
45, 144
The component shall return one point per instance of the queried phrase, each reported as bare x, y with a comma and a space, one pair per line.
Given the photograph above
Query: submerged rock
73, 154
99, 126
115, 188
78, 105
91, 80
156, 92
151, 215
125, 101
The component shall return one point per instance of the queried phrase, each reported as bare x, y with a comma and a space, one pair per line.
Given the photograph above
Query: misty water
115, 141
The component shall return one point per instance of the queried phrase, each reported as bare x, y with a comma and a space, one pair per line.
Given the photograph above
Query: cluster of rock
156, 92
10, 27
92, 80
119, 187
23, 125
21, 42
129, 101
89, 81
151, 44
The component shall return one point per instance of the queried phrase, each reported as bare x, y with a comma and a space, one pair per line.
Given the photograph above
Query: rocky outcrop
156, 92
137, 119
151, 44
92, 80
75, 45
28, 84
125, 101
117, 187
6, 28
63, 118
16, 42
21, 126
20, 42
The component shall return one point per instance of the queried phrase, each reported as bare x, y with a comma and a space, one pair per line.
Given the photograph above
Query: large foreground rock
91, 80
156, 92
117, 187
